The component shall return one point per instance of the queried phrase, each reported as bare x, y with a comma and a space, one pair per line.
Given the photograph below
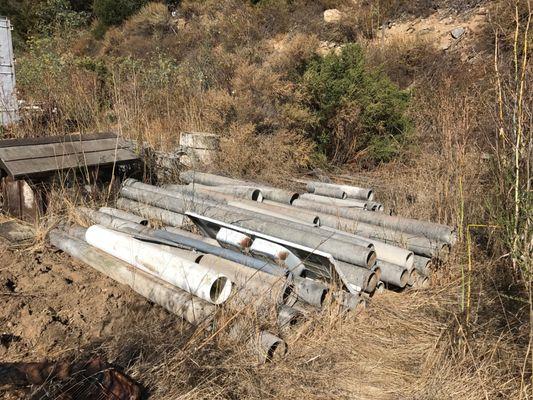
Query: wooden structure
26, 165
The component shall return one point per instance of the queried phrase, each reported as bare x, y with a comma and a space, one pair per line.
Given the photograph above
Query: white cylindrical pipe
279, 210
197, 280
234, 240
123, 215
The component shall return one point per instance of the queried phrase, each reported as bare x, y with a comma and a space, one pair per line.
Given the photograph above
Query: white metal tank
8, 98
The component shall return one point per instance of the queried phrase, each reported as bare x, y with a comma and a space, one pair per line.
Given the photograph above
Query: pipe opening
276, 351
423, 282
412, 277
410, 260
316, 221
404, 277
344, 195
220, 290
371, 283
371, 259
144, 222
323, 297
257, 195
294, 197
377, 272
370, 195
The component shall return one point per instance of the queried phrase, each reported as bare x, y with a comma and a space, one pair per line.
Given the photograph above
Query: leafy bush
356, 109
113, 12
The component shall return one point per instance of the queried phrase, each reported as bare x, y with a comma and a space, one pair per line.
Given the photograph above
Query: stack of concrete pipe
370, 250
305, 226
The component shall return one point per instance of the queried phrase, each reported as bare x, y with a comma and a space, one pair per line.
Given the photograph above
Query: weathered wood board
26, 158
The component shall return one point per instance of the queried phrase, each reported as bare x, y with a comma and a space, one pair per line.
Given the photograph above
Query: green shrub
113, 12
356, 109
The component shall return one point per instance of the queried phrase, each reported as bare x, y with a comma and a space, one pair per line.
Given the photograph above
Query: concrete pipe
364, 278
276, 227
251, 285
430, 230
308, 216
111, 221
352, 192
124, 215
273, 211
393, 274
173, 299
423, 265
164, 216
201, 282
288, 317
259, 210
412, 277
310, 291
349, 203
385, 252
270, 193
227, 192
417, 244
373, 206
233, 240
271, 347
240, 192
327, 191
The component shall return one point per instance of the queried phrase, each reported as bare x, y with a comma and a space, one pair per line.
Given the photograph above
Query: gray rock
457, 32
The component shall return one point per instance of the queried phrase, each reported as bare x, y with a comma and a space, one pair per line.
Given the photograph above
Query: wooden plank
37, 166
55, 139
8, 154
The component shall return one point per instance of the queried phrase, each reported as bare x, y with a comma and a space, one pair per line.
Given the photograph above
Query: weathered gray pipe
270, 193
423, 265
177, 301
349, 203
146, 211
288, 317
266, 209
327, 191
430, 230
366, 279
276, 227
124, 215
417, 244
393, 274
241, 192
273, 347
352, 192
386, 252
